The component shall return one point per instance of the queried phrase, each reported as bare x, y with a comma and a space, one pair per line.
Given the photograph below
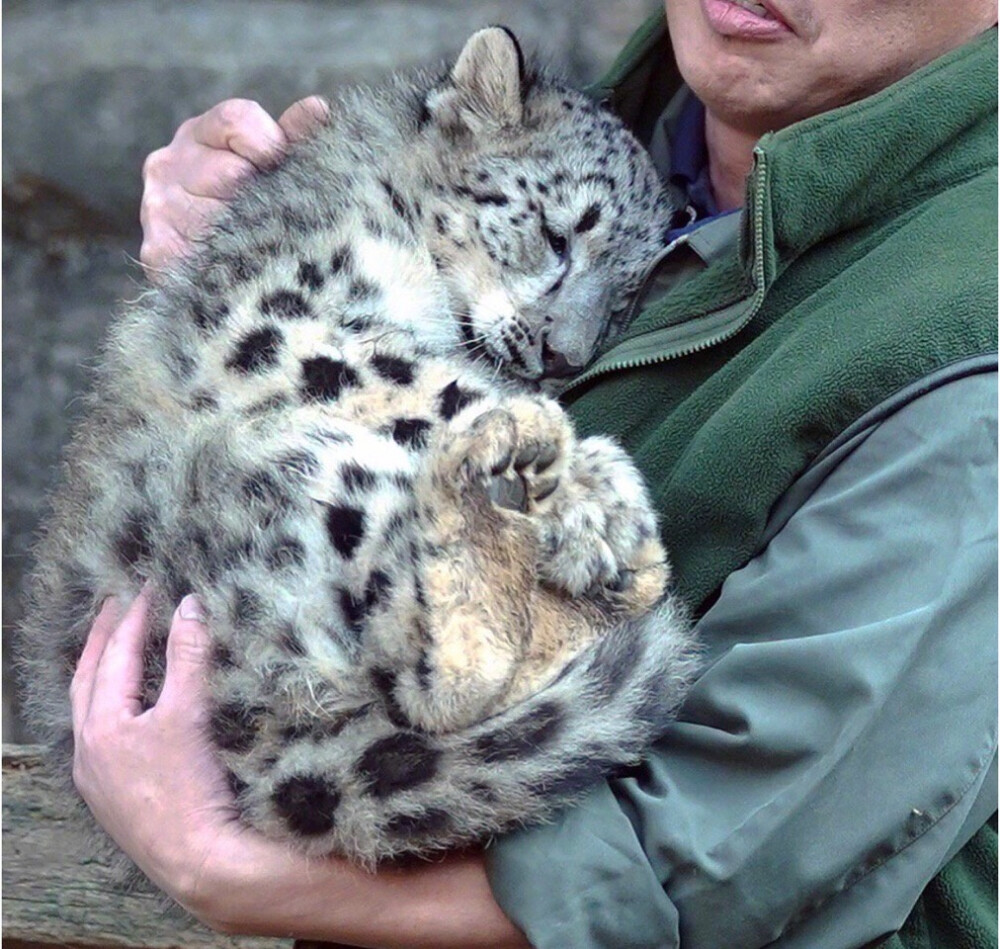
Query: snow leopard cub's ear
487, 85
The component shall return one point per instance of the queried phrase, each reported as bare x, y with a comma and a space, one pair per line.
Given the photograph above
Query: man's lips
745, 19
764, 8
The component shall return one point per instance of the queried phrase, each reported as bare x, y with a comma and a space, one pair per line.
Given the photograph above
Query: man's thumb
188, 648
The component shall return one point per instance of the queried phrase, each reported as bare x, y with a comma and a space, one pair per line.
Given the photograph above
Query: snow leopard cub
436, 614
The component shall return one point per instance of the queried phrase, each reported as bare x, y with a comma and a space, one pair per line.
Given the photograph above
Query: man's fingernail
191, 608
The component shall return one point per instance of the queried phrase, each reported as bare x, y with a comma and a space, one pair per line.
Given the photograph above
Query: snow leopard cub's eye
558, 243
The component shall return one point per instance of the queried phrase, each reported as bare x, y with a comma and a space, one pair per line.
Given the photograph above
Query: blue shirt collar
689, 158
680, 154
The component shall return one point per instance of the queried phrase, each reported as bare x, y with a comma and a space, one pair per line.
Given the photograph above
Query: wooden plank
55, 893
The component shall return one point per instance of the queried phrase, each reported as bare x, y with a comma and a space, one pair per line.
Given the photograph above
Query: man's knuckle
153, 203
231, 170
234, 114
86, 742
154, 165
187, 654
185, 131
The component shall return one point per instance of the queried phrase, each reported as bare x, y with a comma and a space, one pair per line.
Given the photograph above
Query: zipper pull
683, 217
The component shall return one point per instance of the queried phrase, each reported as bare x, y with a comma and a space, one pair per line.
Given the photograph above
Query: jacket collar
853, 163
926, 133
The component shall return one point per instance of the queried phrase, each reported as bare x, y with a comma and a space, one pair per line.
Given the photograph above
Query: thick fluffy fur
435, 613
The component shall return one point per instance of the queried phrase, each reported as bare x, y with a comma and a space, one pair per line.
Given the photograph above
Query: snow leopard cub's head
547, 212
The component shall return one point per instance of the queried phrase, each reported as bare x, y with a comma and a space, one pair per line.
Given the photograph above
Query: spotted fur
435, 613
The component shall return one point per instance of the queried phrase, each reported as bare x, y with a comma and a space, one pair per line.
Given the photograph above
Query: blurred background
90, 87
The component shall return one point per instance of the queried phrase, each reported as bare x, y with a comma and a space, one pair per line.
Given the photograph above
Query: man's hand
149, 776
188, 182
153, 783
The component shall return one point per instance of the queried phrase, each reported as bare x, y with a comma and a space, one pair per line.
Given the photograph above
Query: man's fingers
191, 169
188, 647
243, 127
117, 685
303, 117
187, 182
81, 689
218, 176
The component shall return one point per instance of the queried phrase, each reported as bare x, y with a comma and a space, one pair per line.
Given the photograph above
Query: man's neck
730, 156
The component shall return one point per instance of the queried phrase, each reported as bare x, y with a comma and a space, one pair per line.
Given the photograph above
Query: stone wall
91, 86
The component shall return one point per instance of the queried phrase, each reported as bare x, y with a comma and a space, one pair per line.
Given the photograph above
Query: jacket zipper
613, 363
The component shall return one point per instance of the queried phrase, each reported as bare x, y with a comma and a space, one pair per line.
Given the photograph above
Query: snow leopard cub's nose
555, 365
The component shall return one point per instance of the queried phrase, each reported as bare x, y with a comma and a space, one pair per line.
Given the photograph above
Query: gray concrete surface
91, 86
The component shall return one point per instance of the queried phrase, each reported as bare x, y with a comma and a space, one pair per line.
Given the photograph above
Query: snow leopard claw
509, 493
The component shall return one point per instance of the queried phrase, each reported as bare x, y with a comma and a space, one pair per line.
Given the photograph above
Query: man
810, 388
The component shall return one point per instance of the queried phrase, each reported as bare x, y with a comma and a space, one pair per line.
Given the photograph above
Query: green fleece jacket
866, 267
864, 264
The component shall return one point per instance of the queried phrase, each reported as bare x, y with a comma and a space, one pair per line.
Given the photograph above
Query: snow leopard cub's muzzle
551, 337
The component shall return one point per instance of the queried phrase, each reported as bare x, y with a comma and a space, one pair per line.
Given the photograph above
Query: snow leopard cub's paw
588, 505
600, 537
518, 452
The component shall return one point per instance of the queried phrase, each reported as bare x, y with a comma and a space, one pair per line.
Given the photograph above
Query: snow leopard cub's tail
372, 790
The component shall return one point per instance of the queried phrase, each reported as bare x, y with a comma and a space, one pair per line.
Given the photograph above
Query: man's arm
838, 750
